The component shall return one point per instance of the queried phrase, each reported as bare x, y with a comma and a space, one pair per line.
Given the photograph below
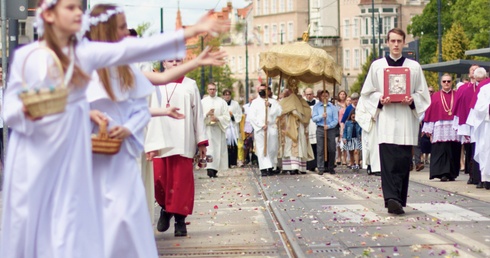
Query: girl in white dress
120, 93
49, 206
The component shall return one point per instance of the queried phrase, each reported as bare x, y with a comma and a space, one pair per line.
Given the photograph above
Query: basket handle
57, 62
103, 130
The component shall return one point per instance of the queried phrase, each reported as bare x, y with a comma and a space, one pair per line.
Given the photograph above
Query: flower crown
39, 23
104, 17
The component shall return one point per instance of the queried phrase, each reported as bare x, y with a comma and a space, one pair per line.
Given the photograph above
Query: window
395, 22
367, 26
387, 25
22, 28
274, 33
356, 28
347, 59
233, 65
266, 7
357, 59
388, 10
366, 54
290, 5
259, 34
346, 29
239, 65
281, 33
282, 6
266, 34
290, 32
273, 6
257, 9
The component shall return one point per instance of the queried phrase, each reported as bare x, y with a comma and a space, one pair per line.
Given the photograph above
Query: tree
142, 28
424, 26
454, 43
357, 86
474, 17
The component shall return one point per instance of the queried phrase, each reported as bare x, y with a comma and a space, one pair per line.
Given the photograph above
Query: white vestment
128, 231
370, 145
216, 132
257, 119
233, 130
479, 120
49, 203
396, 123
177, 136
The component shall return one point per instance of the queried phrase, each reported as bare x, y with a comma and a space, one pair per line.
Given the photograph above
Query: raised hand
211, 58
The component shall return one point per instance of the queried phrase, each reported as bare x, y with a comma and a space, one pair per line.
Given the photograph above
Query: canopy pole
266, 113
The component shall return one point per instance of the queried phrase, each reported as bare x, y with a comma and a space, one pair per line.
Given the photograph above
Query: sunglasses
446, 81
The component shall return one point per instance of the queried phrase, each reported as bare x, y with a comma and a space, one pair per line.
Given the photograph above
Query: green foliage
142, 28
221, 76
424, 26
357, 86
472, 15
454, 43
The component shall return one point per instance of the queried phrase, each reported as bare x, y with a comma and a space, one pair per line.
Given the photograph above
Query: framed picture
396, 83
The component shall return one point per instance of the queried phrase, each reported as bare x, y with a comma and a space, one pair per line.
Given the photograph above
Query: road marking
448, 212
352, 213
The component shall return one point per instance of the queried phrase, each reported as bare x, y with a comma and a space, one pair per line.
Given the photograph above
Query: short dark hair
226, 91
133, 33
320, 92
396, 31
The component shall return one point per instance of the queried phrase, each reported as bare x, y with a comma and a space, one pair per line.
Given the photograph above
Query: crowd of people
62, 200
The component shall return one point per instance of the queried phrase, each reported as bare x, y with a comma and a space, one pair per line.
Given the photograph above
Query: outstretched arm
205, 58
171, 112
207, 24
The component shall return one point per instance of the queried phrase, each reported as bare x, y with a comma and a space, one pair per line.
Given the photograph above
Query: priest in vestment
295, 148
481, 123
171, 144
233, 129
463, 98
257, 115
217, 121
446, 145
397, 123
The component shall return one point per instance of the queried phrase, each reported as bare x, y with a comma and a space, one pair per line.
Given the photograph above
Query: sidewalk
459, 186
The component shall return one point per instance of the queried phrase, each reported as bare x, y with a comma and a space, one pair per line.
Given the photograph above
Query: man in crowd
232, 132
263, 114
217, 121
311, 100
171, 144
397, 123
326, 117
446, 147
248, 139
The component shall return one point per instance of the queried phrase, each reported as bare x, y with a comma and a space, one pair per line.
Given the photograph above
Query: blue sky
140, 11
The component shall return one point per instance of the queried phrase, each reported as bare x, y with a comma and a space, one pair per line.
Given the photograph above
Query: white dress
49, 205
216, 132
117, 178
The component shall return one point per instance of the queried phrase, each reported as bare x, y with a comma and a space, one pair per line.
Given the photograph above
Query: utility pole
372, 20
246, 62
380, 28
439, 36
202, 70
161, 31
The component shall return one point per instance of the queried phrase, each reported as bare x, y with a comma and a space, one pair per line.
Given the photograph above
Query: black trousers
311, 165
444, 159
395, 171
468, 158
232, 155
475, 168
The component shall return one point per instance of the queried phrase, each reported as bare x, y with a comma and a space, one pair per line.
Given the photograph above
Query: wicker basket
45, 101
102, 144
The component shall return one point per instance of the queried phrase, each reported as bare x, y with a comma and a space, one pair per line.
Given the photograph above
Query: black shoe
444, 179
487, 185
210, 173
263, 172
479, 185
470, 181
320, 172
368, 170
394, 207
332, 172
451, 179
180, 229
164, 221
215, 173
